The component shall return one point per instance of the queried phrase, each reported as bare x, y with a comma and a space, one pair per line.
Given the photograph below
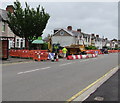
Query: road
53, 81
109, 87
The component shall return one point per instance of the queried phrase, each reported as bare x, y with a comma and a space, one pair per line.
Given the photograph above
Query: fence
43, 54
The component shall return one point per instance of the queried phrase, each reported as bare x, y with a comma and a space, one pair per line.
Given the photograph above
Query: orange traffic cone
57, 58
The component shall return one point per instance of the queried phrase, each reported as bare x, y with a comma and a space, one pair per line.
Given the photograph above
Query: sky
100, 18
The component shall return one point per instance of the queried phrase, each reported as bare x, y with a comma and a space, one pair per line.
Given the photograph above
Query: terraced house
5, 31
68, 36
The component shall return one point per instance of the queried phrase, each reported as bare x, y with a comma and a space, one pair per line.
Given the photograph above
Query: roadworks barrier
44, 54
73, 57
40, 56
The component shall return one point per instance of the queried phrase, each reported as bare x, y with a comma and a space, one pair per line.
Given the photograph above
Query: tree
27, 23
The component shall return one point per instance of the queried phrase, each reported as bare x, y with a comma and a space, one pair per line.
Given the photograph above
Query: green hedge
91, 48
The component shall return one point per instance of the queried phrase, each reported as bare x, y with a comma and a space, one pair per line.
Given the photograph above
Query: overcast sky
92, 17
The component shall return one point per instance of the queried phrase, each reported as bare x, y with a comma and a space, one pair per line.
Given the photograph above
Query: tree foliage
27, 23
90, 47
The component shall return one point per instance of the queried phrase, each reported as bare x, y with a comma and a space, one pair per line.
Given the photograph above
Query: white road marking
94, 58
33, 70
85, 60
66, 64
72, 62
45, 68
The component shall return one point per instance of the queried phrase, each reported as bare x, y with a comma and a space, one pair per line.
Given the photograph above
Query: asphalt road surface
53, 81
108, 91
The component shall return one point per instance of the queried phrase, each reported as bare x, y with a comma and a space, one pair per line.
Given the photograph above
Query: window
21, 43
62, 33
86, 39
3, 26
17, 42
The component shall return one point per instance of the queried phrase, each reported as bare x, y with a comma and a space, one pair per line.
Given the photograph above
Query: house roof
85, 35
72, 32
76, 33
3, 14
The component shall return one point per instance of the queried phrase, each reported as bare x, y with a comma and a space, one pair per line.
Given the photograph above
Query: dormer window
61, 32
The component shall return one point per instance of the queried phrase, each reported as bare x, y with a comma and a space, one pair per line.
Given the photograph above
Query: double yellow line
85, 89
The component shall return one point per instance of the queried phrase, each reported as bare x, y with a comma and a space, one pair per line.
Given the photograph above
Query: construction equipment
72, 49
75, 49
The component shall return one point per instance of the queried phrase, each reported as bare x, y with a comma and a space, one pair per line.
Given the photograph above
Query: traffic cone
57, 58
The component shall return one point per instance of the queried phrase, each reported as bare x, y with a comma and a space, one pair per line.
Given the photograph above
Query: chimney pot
10, 8
55, 30
106, 38
93, 34
97, 36
69, 28
79, 30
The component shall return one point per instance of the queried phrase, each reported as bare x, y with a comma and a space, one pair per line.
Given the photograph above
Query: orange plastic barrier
34, 52
41, 56
25, 53
93, 52
14, 53
113, 51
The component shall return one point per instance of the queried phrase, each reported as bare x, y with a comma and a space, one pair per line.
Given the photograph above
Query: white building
66, 37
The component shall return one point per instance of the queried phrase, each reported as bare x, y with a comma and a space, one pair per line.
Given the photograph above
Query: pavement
108, 91
14, 60
53, 81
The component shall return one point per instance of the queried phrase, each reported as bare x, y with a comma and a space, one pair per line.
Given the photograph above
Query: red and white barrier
72, 57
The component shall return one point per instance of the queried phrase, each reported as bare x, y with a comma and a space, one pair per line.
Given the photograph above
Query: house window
17, 42
21, 43
86, 39
89, 39
3, 27
62, 33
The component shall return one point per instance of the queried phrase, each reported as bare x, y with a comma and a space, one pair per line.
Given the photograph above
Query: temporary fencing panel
41, 56
26, 53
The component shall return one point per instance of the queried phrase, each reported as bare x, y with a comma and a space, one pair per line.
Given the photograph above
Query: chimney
69, 28
10, 8
97, 36
93, 35
106, 38
79, 30
55, 30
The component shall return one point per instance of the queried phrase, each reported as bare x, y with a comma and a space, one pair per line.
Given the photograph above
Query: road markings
85, 60
91, 85
45, 68
33, 70
66, 64
72, 62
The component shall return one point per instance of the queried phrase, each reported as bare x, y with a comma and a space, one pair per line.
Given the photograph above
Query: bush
91, 48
